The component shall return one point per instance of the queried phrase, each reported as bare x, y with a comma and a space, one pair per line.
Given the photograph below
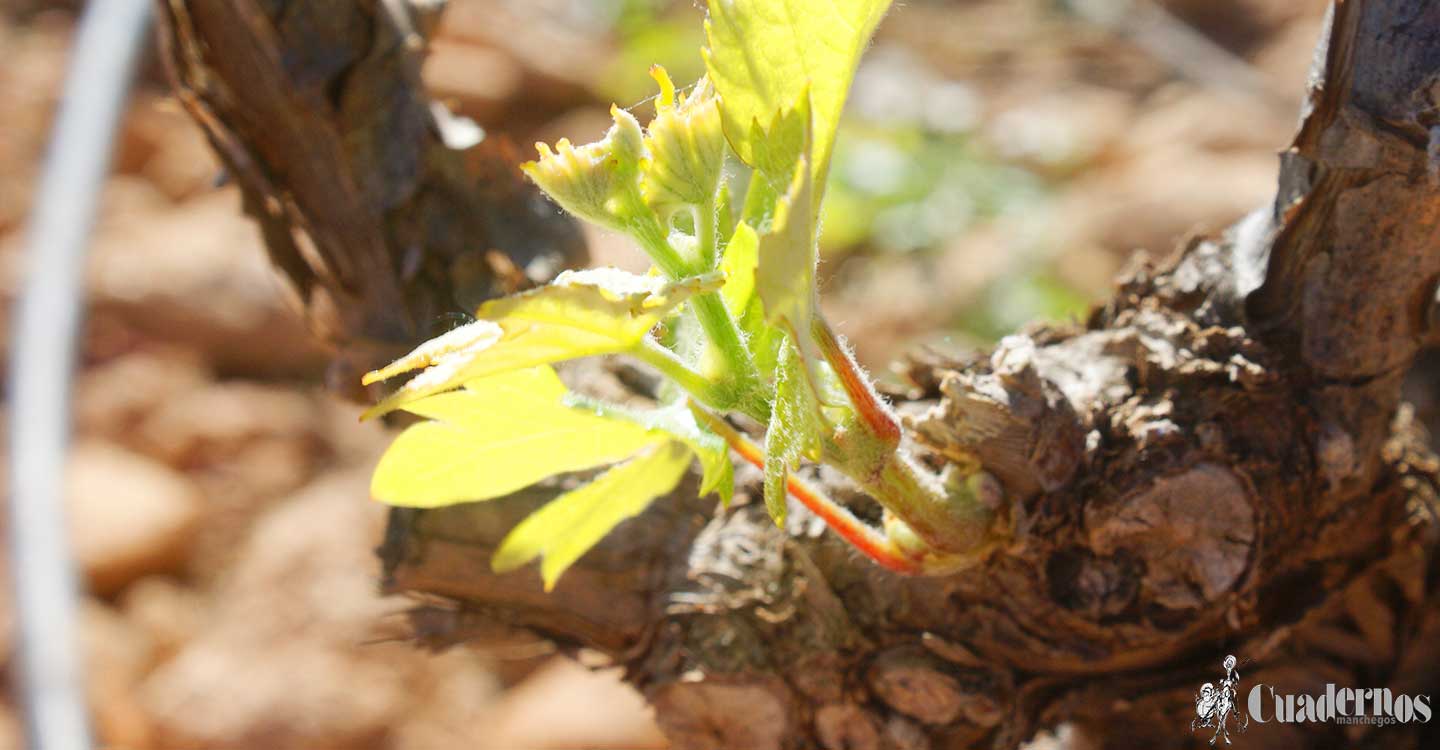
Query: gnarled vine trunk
1216, 463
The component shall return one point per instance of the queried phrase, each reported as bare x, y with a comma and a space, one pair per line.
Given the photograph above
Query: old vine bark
382, 227
1216, 462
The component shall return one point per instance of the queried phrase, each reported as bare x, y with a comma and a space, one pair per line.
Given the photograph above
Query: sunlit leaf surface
685, 148
677, 422
763, 54
785, 276
572, 523
499, 435
583, 313
742, 255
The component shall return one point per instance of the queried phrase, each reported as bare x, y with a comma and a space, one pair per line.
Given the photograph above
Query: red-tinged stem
873, 412
870, 541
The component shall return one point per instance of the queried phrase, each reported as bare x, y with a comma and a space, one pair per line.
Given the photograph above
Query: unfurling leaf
777, 470
763, 54
580, 314
473, 336
676, 421
599, 181
742, 255
572, 523
685, 148
780, 143
789, 252
717, 471
499, 435
795, 427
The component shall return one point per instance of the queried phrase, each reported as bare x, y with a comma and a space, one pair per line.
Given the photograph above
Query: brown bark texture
383, 228
1217, 462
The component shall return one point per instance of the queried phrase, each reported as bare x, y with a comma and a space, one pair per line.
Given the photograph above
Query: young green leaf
717, 471
797, 403
789, 252
685, 147
742, 255
582, 313
599, 181
794, 430
475, 336
779, 143
499, 435
763, 54
739, 264
568, 526
777, 469
677, 422
764, 341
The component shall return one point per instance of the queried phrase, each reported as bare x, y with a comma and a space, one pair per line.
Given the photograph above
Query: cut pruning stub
733, 290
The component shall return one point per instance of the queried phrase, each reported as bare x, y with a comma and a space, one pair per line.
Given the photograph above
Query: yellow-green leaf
499, 435
779, 150
677, 422
794, 430
742, 255
568, 526
779, 143
761, 56
739, 264
598, 181
789, 252
476, 335
685, 148
582, 313
777, 469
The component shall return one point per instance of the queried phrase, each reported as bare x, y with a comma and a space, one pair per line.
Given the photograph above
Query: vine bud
685, 144
600, 181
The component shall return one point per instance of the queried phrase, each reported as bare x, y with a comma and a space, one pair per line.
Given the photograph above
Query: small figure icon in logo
1216, 706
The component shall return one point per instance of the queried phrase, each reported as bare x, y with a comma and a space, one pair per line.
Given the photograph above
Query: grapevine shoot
724, 191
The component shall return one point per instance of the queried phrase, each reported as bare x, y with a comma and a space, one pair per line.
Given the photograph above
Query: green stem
652, 240
715, 319
949, 522
724, 333
705, 231
702, 388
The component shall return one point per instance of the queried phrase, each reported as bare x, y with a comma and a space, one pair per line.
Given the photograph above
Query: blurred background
1001, 161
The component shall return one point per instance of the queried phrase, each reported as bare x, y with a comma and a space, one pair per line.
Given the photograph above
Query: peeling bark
1217, 462
369, 204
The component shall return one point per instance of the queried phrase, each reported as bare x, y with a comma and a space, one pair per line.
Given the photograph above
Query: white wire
50, 678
